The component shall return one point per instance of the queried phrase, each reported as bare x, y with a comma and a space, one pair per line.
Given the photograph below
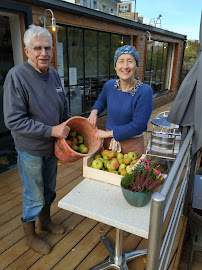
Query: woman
129, 105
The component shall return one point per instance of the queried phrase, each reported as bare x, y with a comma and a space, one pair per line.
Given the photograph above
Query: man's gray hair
35, 31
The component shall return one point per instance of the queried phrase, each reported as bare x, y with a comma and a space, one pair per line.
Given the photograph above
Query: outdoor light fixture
122, 42
149, 40
54, 27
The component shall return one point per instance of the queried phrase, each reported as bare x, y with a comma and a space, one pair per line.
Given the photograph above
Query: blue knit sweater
127, 115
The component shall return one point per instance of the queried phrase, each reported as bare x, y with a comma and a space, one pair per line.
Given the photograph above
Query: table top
162, 122
105, 203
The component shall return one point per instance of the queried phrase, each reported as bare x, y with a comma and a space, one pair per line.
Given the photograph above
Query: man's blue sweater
127, 115
33, 104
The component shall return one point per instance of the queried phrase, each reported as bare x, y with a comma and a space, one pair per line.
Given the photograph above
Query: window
94, 4
88, 62
111, 11
157, 69
103, 8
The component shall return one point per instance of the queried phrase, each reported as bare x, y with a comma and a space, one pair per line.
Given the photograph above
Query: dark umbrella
187, 107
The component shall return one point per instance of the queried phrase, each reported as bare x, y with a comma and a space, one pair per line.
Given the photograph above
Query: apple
75, 147
84, 150
111, 154
97, 156
128, 169
101, 159
125, 156
122, 172
122, 166
104, 152
105, 161
119, 156
80, 139
132, 155
81, 146
116, 172
126, 161
69, 143
133, 162
113, 164
73, 140
120, 160
105, 156
97, 164
72, 133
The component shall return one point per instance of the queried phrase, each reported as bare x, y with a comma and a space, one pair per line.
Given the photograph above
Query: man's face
40, 53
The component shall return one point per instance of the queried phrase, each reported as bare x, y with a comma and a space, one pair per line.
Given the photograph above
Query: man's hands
60, 131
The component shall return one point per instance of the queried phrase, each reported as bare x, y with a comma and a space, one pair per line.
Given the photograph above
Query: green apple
105, 161
132, 155
120, 160
75, 147
128, 169
97, 156
133, 162
73, 140
122, 166
101, 159
122, 172
125, 156
84, 150
80, 139
126, 161
81, 146
116, 172
97, 164
72, 133
119, 156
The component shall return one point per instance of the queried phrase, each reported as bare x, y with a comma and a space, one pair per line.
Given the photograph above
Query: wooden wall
139, 40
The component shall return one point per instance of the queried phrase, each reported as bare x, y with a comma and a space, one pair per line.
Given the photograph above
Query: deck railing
159, 249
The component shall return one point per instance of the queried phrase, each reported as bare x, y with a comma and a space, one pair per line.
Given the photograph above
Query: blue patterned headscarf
126, 49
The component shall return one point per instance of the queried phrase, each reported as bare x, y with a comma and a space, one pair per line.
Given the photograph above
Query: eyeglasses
39, 49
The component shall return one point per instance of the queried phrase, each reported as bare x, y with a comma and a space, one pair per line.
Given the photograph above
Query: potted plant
144, 179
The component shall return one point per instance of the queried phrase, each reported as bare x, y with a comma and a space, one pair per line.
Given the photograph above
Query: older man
35, 108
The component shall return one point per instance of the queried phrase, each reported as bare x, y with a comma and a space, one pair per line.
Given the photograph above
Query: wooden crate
104, 176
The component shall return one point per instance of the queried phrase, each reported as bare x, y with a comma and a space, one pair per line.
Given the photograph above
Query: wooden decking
80, 247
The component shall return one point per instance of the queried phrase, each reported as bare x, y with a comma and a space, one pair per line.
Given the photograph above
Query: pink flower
147, 167
158, 172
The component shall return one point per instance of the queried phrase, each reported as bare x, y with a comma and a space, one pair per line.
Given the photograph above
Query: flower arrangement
145, 178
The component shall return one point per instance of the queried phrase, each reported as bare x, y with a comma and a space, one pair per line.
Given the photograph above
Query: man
35, 108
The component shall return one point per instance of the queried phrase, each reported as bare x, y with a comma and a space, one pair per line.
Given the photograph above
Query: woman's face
126, 67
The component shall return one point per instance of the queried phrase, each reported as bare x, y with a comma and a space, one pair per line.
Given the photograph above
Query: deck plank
80, 247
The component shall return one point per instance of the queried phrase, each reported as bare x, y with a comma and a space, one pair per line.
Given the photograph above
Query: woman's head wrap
126, 49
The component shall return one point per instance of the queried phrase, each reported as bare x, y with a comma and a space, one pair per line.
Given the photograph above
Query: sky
179, 16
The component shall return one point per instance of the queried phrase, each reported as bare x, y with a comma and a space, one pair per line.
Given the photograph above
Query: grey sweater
33, 103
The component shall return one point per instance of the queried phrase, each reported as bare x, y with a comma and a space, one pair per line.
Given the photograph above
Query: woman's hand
105, 134
93, 117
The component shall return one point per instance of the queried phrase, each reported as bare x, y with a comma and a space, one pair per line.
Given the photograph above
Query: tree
191, 51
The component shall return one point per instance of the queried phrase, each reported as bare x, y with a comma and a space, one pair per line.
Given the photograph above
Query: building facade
84, 49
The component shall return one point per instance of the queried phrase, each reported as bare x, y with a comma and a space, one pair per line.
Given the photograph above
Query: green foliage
191, 51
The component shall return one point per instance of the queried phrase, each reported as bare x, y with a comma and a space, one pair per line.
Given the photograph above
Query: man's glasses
39, 49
